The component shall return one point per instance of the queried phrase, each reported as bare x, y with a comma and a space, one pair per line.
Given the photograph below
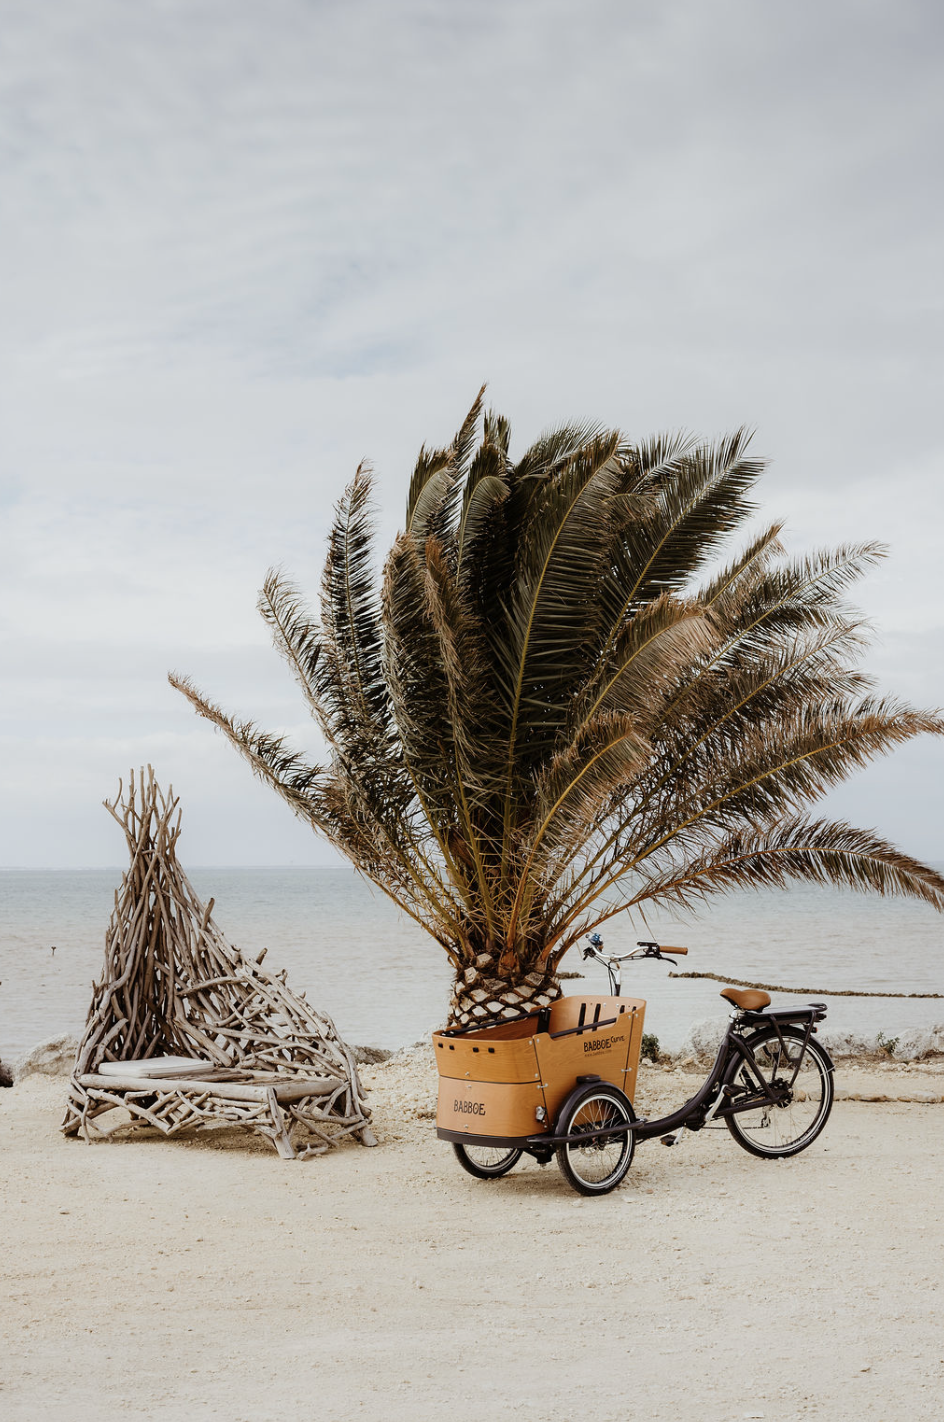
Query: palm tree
558, 707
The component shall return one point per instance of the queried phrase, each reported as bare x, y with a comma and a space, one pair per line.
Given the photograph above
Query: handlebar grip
681, 951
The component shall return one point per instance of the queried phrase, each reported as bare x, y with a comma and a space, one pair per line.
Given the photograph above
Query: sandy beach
205, 1278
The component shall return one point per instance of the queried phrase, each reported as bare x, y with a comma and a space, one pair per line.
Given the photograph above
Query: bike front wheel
486, 1162
775, 1131
596, 1162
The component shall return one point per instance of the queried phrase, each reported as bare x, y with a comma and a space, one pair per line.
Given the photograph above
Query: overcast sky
243, 246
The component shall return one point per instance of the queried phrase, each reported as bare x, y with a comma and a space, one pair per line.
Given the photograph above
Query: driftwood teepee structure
185, 1031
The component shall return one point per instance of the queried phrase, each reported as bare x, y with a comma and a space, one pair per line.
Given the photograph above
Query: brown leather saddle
747, 999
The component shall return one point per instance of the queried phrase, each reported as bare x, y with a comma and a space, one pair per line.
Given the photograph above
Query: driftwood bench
267, 1105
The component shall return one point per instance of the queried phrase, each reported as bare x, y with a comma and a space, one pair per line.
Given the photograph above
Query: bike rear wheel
486, 1162
774, 1131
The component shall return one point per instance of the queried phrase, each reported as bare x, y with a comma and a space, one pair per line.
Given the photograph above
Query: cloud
246, 247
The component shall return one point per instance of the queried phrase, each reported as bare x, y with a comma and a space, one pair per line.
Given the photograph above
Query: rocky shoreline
402, 1089
914, 1050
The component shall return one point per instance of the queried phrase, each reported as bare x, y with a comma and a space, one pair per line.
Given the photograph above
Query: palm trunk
481, 995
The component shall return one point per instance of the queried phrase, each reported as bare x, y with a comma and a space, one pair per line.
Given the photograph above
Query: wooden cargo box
506, 1082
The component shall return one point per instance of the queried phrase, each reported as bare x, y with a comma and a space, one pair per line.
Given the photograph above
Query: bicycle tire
773, 1132
597, 1167
486, 1162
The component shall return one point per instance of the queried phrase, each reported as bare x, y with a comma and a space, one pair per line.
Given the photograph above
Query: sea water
386, 983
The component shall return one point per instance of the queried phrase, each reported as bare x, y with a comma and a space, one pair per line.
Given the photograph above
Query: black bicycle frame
734, 1046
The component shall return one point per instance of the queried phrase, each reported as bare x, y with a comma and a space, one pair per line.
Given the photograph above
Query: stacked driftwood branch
257, 1054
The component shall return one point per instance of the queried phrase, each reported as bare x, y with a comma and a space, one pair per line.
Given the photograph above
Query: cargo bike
562, 1080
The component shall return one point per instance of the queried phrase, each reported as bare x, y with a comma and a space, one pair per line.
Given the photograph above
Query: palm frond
432, 478
550, 623
300, 785
417, 684
554, 448
699, 501
797, 849
650, 658
350, 682
294, 631
606, 756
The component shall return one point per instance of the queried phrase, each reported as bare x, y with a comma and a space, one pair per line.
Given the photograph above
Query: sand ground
205, 1278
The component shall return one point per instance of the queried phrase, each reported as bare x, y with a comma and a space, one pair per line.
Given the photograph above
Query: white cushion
157, 1067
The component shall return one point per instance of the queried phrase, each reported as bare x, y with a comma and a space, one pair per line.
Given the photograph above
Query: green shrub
650, 1046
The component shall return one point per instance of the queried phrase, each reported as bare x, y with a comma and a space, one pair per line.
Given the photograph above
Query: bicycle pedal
667, 1140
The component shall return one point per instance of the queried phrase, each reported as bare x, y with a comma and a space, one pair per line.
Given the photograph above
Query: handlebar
649, 950
612, 961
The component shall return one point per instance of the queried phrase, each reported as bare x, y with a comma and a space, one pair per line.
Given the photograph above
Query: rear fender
586, 1085
800, 1023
